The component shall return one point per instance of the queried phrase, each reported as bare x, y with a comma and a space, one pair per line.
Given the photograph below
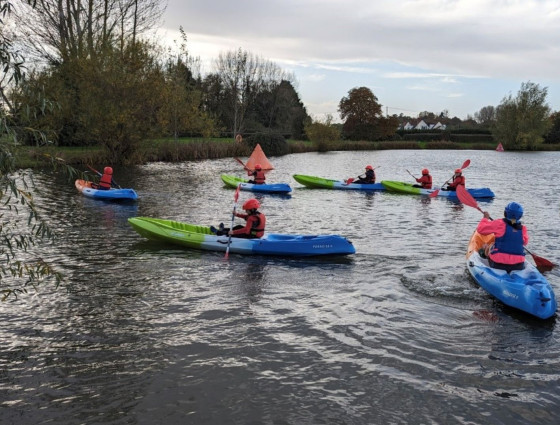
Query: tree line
107, 85
102, 83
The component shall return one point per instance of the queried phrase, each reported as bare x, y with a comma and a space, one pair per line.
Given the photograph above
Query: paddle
241, 162
435, 192
410, 173
113, 182
235, 198
466, 198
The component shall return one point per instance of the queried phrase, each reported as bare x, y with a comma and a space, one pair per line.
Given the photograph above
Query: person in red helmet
106, 180
368, 178
458, 180
425, 181
254, 225
258, 175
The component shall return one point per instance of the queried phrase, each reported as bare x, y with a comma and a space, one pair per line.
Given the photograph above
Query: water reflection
147, 331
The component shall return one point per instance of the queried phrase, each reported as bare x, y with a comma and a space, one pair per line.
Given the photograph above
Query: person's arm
525, 236
244, 230
487, 226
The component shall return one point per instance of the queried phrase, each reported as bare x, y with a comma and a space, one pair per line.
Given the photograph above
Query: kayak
200, 237
526, 290
408, 188
233, 181
321, 183
112, 194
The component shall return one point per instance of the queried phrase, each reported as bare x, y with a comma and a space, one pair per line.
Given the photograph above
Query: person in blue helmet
507, 252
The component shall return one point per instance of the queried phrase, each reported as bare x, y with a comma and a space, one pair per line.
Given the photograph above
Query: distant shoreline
202, 149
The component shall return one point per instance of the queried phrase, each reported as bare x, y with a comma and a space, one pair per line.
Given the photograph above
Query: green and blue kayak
200, 237
232, 181
322, 183
409, 189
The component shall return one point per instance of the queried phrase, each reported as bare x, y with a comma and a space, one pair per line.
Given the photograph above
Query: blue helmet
513, 211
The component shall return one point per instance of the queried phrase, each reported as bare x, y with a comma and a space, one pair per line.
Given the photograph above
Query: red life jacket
425, 181
254, 227
105, 181
458, 181
258, 223
258, 176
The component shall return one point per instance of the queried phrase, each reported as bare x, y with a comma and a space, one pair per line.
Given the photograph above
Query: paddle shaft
235, 198
241, 162
411, 174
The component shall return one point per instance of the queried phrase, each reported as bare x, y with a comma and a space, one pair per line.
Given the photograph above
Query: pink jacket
498, 227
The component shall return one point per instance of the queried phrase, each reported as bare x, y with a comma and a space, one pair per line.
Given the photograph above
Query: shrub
271, 144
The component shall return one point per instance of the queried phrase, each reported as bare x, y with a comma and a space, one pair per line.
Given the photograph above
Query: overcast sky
416, 55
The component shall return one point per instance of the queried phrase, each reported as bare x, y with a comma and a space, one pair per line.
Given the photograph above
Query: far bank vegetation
101, 91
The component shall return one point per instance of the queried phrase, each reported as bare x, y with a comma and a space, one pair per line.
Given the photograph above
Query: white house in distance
423, 125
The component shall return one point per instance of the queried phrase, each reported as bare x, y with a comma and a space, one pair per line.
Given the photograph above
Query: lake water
396, 334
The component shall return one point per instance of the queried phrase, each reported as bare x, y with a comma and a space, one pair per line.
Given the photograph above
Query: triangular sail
258, 157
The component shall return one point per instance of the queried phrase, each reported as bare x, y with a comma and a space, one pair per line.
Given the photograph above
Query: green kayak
407, 188
322, 183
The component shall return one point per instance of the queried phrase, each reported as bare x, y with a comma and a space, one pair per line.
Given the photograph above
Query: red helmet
369, 167
108, 170
251, 204
458, 171
258, 167
425, 171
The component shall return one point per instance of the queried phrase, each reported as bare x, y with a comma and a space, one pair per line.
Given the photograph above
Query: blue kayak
526, 290
200, 237
233, 181
322, 183
85, 187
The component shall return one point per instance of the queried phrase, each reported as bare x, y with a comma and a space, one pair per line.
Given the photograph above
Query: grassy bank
194, 149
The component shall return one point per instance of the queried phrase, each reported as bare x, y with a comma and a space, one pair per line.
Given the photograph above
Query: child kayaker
458, 179
106, 180
254, 226
258, 175
507, 252
425, 181
368, 178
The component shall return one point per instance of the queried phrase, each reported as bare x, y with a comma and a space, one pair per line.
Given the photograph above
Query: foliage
322, 134
248, 94
65, 31
271, 144
486, 116
523, 121
362, 117
180, 112
278, 109
553, 136
112, 100
18, 271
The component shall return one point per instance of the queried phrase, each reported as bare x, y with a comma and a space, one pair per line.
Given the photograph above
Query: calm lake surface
396, 334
